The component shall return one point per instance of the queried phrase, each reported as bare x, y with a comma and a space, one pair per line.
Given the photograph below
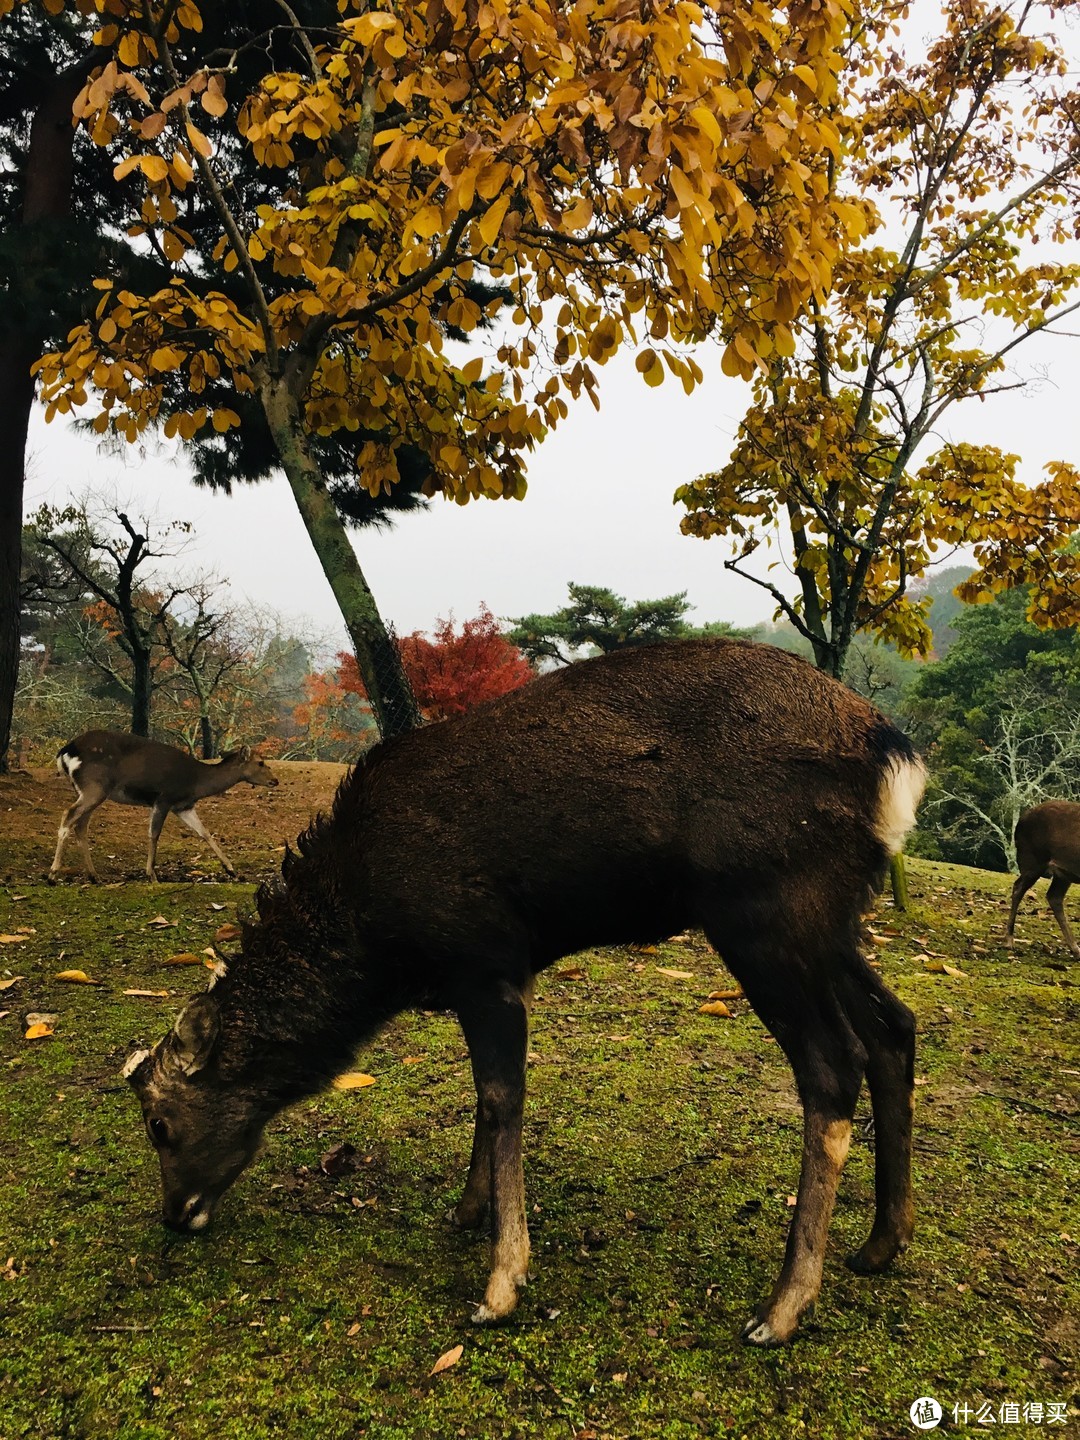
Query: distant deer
112, 765
710, 783
1048, 848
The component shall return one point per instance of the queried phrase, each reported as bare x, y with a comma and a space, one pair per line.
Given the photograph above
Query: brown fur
718, 784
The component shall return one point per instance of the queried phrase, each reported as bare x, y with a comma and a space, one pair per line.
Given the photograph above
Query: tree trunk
141, 689
46, 197
377, 657
206, 737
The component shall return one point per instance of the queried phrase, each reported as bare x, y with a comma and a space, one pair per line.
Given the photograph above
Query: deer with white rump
112, 765
718, 784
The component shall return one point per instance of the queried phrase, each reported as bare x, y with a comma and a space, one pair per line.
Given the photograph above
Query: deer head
205, 1130
249, 767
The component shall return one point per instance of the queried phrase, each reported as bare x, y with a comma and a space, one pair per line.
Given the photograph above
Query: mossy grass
662, 1149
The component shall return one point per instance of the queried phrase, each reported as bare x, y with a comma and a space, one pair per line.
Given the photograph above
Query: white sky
599, 508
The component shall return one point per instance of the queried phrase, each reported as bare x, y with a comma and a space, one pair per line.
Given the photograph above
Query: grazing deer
710, 783
1047, 842
111, 765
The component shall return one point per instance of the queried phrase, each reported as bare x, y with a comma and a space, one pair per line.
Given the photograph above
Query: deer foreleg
192, 821
496, 1028
1055, 897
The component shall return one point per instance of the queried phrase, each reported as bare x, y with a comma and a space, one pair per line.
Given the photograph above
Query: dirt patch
252, 824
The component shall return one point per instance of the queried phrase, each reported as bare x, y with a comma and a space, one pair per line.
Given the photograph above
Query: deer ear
245, 752
194, 1035
132, 1063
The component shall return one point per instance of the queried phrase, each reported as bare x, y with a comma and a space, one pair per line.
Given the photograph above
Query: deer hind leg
794, 999
886, 1029
472, 1209
75, 821
192, 821
1055, 897
496, 1027
1024, 881
157, 820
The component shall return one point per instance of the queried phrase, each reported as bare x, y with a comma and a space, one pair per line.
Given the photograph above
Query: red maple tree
451, 672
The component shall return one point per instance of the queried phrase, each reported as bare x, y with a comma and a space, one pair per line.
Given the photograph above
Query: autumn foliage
453, 670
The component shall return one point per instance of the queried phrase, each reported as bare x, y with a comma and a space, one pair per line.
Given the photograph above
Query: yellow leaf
199, 141
38, 1032
154, 168
448, 1358
185, 957
736, 994
353, 1080
7, 984
228, 931
675, 974
714, 1007
76, 977
13, 939
149, 994
127, 52
490, 223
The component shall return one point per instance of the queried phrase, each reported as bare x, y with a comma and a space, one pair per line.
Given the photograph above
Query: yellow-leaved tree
338, 189
973, 153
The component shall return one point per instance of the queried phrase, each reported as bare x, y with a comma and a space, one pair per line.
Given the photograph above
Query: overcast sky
598, 511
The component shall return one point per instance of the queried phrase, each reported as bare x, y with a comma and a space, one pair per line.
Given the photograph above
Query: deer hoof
51, 878
467, 1217
760, 1333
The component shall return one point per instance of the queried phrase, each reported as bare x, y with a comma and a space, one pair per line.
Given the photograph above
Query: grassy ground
662, 1149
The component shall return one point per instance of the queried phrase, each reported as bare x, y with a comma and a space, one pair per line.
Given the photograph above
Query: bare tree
1027, 765
109, 559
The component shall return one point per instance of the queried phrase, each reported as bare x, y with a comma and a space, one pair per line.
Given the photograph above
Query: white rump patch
218, 972
902, 787
132, 1063
67, 764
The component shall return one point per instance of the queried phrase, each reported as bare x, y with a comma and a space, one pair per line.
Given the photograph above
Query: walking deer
111, 765
1047, 842
710, 783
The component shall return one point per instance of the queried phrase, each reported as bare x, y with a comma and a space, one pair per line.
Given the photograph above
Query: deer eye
159, 1132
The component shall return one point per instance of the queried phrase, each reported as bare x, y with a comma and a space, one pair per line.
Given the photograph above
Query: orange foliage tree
452, 671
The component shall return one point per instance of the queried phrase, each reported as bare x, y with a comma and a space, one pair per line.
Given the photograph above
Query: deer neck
213, 779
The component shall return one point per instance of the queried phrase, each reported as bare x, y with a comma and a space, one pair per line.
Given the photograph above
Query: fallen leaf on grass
736, 994
412, 1059
38, 1032
161, 923
675, 974
940, 967
228, 931
714, 1007
353, 1080
448, 1358
13, 939
574, 973
185, 957
76, 977
149, 994
4, 1014
215, 906
7, 984
678, 939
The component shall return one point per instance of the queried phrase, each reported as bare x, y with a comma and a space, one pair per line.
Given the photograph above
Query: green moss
662, 1146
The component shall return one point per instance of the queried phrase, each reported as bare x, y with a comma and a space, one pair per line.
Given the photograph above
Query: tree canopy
963, 163
618, 175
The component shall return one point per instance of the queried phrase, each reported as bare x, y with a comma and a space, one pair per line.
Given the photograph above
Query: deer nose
193, 1216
